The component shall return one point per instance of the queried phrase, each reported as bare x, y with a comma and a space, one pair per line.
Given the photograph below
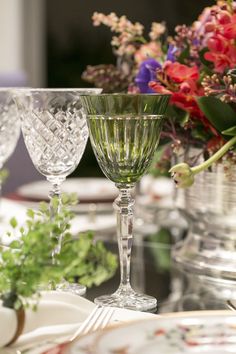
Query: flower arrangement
197, 67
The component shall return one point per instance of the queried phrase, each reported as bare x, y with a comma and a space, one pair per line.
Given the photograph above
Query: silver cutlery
99, 318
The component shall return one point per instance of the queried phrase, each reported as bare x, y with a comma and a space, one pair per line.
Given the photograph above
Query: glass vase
210, 206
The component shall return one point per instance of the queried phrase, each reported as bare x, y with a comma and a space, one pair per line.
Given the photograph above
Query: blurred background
48, 43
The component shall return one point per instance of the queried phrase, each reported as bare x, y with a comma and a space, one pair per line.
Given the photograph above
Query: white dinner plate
88, 189
81, 223
209, 333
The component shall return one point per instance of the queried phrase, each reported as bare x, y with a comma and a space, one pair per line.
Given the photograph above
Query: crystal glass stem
123, 206
55, 210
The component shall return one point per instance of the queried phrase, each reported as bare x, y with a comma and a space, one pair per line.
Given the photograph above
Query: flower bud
182, 175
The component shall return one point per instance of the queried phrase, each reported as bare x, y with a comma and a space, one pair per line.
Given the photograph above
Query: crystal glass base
205, 254
129, 299
73, 288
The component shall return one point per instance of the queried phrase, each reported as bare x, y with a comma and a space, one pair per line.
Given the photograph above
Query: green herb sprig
26, 265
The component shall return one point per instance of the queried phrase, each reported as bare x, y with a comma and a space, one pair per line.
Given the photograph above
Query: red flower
159, 88
224, 59
179, 73
217, 44
187, 103
215, 143
221, 61
229, 29
224, 18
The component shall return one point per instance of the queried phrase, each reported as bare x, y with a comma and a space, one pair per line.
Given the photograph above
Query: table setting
142, 259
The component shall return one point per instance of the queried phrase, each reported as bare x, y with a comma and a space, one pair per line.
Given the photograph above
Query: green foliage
84, 259
184, 54
4, 173
26, 264
219, 113
162, 251
207, 65
231, 131
160, 164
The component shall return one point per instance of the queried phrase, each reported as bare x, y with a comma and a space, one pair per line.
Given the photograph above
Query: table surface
154, 272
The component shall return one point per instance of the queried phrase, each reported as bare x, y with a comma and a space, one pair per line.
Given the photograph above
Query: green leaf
219, 113
15, 244
4, 173
231, 131
205, 62
13, 222
43, 207
184, 55
30, 213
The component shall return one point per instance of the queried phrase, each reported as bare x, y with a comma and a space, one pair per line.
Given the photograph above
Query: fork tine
104, 319
83, 326
98, 319
89, 327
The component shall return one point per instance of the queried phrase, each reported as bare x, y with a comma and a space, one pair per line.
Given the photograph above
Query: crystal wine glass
55, 133
9, 125
124, 132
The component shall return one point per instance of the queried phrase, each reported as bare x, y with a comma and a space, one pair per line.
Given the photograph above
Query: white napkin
58, 316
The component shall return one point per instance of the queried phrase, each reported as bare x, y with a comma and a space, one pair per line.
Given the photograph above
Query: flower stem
214, 157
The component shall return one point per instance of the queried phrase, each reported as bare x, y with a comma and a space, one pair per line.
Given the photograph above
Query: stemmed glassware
9, 126
124, 132
55, 132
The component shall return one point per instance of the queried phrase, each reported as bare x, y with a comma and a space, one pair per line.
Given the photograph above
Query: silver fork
99, 318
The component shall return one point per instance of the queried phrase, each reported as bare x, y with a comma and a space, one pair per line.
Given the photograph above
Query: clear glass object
210, 206
55, 133
9, 126
124, 132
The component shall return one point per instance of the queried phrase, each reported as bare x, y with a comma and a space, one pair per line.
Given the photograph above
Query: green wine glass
124, 132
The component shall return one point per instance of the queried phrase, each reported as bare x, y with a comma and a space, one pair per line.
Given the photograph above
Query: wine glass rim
133, 94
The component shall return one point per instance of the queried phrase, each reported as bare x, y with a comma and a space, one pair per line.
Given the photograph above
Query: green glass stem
123, 206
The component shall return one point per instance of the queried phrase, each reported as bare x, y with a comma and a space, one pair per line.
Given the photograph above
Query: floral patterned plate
209, 333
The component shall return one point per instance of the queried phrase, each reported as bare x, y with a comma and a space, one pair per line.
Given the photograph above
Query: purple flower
196, 41
147, 73
170, 56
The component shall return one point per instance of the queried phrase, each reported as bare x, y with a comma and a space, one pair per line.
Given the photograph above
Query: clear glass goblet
124, 132
9, 126
55, 133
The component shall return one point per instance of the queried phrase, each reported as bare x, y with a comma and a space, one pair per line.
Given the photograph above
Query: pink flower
157, 30
149, 50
